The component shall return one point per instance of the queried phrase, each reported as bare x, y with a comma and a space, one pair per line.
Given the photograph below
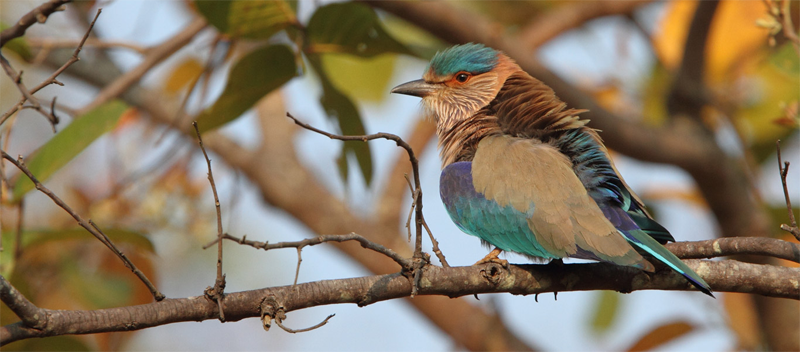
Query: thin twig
90, 43
783, 171
155, 55
299, 260
281, 315
89, 226
39, 14
403, 262
217, 293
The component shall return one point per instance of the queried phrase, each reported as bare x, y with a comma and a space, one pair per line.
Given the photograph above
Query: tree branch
723, 276
550, 24
39, 14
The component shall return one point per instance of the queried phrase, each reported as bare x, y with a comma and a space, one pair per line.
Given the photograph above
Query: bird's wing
537, 180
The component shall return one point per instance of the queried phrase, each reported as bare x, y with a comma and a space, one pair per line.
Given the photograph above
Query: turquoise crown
470, 57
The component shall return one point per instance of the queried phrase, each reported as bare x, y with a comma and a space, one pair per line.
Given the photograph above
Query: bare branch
365, 243
89, 226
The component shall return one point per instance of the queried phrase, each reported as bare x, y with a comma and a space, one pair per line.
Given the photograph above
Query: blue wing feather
607, 189
592, 166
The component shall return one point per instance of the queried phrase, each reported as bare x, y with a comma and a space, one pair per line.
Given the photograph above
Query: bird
525, 174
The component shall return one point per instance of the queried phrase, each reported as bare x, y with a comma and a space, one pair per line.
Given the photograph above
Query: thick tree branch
688, 94
763, 246
723, 276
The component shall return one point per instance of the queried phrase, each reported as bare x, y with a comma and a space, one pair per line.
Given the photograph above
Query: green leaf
786, 59
216, 12
254, 76
605, 311
18, 45
339, 106
98, 290
118, 236
359, 78
259, 19
350, 28
67, 144
54, 343
255, 19
31, 239
661, 335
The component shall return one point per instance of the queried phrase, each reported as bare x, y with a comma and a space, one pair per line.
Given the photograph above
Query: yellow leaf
661, 335
742, 320
183, 74
733, 37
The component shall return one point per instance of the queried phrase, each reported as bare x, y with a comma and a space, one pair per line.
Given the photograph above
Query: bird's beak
418, 88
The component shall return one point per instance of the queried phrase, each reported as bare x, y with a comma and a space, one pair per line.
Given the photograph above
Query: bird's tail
647, 244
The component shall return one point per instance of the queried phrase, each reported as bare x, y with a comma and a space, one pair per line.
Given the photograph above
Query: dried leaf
661, 335
183, 74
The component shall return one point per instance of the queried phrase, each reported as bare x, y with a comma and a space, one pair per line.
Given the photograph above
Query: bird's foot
492, 258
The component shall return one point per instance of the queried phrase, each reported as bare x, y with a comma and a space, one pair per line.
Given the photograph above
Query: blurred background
151, 67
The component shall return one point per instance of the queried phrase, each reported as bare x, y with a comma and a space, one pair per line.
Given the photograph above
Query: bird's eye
462, 77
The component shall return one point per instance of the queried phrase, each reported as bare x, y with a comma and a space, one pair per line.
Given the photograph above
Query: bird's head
459, 81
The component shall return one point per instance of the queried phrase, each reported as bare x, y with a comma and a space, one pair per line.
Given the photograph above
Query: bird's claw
492, 258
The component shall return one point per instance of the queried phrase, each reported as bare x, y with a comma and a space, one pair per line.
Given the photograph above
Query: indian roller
523, 172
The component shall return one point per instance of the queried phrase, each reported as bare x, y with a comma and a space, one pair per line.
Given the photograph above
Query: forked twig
419, 257
216, 293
